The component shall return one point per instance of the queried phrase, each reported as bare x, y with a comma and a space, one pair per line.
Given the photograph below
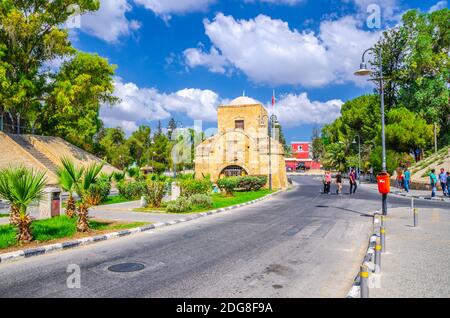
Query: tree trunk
14, 215
83, 223
70, 208
24, 229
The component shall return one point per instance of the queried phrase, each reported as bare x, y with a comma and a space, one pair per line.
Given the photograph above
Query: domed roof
243, 100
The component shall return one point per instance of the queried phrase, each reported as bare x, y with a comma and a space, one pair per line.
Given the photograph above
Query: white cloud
439, 6
165, 8
213, 60
294, 110
268, 51
148, 104
109, 23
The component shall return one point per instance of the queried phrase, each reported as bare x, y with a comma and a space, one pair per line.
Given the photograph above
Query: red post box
384, 183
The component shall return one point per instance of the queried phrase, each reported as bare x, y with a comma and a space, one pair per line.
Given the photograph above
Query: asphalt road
298, 244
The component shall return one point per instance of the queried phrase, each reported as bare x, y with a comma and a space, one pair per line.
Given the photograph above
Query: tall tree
32, 33
115, 147
72, 108
139, 144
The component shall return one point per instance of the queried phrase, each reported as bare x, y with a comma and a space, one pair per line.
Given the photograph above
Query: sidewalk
417, 260
116, 212
419, 194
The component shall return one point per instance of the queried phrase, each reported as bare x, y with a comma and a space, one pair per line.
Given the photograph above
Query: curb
420, 197
21, 254
368, 261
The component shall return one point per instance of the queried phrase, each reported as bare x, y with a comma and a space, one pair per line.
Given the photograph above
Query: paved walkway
117, 212
412, 193
416, 261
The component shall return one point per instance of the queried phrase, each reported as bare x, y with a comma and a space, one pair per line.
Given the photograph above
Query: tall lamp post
273, 122
364, 71
170, 130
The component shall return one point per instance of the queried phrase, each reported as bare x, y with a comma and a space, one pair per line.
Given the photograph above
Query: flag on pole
273, 99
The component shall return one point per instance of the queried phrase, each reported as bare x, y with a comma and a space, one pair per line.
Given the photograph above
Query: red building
302, 157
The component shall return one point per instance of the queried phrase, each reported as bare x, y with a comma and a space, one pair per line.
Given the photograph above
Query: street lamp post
273, 121
364, 71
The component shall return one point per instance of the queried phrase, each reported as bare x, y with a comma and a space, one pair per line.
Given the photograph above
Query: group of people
443, 178
403, 179
328, 178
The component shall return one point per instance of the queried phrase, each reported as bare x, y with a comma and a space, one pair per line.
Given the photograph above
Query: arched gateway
241, 146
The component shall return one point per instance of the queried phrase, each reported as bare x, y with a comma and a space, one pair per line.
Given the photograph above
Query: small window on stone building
239, 124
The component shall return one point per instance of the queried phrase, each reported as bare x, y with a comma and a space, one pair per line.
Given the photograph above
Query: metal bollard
383, 239
416, 217
378, 257
364, 281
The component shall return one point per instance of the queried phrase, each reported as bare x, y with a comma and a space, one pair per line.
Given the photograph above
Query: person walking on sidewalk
353, 183
339, 183
406, 179
328, 182
433, 182
443, 180
448, 183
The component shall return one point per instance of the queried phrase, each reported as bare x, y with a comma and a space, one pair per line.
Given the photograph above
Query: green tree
33, 35
139, 145
406, 130
72, 107
115, 148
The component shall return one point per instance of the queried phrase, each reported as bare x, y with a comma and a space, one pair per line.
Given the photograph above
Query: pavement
417, 260
300, 243
419, 194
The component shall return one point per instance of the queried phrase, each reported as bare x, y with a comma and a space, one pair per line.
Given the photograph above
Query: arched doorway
233, 171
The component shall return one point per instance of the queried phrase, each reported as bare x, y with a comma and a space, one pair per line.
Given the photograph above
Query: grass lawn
3, 215
115, 199
221, 201
59, 228
111, 200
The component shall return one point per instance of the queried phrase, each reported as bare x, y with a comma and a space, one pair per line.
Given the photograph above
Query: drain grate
126, 267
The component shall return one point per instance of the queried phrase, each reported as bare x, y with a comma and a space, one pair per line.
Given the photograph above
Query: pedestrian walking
328, 182
433, 182
443, 180
371, 176
399, 178
339, 183
406, 179
448, 183
353, 183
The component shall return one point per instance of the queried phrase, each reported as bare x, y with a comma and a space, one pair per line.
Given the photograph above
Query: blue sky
184, 58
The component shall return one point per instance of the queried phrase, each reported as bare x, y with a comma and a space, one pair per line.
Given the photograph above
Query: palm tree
5, 176
23, 186
68, 177
90, 177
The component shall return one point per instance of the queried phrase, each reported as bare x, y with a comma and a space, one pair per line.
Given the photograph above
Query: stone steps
39, 156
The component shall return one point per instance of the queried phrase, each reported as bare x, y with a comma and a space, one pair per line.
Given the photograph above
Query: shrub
155, 192
99, 191
180, 205
252, 183
190, 187
132, 190
201, 200
228, 184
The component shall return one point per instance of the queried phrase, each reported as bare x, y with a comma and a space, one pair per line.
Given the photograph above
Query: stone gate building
241, 146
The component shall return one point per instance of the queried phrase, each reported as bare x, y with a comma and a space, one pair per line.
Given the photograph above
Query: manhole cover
126, 267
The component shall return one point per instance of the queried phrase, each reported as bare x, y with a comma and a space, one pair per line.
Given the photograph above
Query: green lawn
56, 228
221, 201
3, 215
114, 200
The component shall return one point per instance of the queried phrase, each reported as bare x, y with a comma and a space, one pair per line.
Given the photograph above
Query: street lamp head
354, 142
363, 70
